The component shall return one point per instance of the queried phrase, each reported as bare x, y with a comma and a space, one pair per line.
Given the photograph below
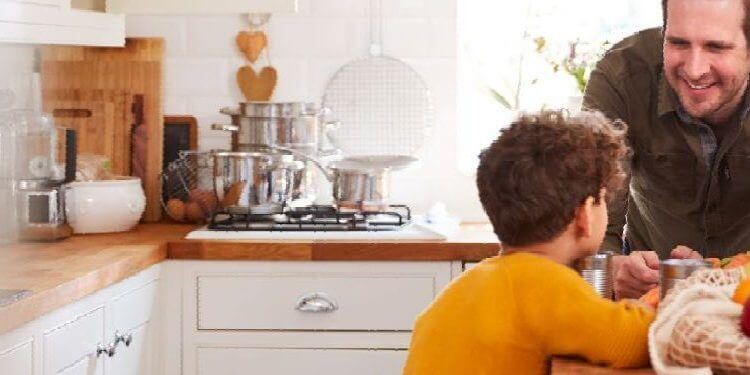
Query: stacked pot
272, 145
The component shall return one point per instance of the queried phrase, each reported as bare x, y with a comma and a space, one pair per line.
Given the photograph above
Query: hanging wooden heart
251, 43
256, 87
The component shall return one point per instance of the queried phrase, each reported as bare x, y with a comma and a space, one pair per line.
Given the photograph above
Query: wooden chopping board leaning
126, 80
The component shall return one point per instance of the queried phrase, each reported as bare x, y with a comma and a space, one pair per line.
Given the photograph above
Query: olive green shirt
682, 189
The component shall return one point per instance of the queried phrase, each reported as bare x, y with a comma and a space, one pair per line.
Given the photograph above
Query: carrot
715, 262
651, 297
738, 260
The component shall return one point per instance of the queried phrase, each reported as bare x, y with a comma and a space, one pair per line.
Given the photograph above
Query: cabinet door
131, 315
17, 360
71, 347
134, 359
261, 361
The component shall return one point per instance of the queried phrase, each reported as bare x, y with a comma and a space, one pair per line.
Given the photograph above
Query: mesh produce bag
697, 328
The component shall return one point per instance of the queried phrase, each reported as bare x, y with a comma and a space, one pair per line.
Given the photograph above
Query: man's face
706, 57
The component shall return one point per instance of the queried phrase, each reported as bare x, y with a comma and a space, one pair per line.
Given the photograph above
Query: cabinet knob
123, 338
109, 350
317, 302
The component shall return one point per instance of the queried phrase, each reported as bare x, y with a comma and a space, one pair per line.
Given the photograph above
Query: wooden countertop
59, 273
568, 366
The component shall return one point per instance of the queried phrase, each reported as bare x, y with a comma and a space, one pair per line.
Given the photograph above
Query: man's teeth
698, 87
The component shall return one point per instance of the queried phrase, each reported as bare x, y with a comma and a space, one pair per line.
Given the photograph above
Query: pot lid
371, 162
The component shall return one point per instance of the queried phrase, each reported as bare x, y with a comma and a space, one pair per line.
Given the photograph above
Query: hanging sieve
383, 104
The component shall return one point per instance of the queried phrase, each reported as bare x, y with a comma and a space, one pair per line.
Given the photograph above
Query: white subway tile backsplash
291, 84
338, 8
196, 75
174, 105
290, 36
207, 107
214, 35
320, 73
443, 37
407, 37
172, 28
418, 8
306, 49
332, 37
208, 141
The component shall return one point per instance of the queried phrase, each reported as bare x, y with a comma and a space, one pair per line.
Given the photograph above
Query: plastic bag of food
90, 167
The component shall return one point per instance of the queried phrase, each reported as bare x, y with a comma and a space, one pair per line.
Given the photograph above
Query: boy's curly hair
542, 168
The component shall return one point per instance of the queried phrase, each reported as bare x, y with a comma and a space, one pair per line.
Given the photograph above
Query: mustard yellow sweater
509, 314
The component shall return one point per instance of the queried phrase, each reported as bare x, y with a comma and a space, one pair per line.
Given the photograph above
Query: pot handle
331, 147
225, 127
302, 155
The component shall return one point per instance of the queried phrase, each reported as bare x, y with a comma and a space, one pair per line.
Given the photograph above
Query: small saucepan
360, 182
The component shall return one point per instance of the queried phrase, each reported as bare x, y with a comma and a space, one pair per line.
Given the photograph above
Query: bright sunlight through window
529, 54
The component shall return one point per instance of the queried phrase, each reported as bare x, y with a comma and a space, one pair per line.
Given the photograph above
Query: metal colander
383, 105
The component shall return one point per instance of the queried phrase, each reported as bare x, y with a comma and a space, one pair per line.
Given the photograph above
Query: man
682, 93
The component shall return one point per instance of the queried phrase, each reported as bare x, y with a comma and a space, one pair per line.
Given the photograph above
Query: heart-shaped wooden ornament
251, 43
256, 87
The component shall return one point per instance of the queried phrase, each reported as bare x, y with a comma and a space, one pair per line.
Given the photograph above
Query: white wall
16, 67
306, 49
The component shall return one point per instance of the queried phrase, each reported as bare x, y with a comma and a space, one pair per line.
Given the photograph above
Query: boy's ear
583, 219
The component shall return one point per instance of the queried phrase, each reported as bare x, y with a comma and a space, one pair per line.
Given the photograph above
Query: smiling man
682, 89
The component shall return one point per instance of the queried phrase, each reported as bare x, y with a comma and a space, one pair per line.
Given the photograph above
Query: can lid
599, 261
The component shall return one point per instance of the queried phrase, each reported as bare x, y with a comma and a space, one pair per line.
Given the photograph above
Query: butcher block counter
59, 273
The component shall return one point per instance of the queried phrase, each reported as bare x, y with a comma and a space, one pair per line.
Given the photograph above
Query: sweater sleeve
569, 318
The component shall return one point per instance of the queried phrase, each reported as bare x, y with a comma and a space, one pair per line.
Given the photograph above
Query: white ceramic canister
104, 206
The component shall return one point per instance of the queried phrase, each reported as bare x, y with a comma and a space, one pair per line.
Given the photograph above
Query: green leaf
500, 98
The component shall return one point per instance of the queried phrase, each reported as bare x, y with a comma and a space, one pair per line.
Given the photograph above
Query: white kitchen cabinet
66, 341
200, 7
18, 359
70, 348
54, 22
344, 317
249, 361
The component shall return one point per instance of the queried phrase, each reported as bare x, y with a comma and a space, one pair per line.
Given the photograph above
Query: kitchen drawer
363, 300
249, 361
73, 344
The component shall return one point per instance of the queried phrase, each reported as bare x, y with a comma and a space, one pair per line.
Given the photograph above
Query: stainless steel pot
254, 182
360, 182
278, 109
305, 132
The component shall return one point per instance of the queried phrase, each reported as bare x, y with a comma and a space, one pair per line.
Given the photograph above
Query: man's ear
583, 219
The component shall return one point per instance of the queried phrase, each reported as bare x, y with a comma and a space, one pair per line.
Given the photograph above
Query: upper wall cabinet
200, 6
54, 22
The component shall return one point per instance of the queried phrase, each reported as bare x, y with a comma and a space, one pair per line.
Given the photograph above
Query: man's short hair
535, 175
745, 19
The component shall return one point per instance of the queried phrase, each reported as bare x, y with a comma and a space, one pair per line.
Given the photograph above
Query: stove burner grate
314, 218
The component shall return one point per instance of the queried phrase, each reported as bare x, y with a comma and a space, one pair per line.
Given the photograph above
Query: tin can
598, 272
673, 270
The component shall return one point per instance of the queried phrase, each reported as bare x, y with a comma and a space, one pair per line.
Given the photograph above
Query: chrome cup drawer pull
316, 302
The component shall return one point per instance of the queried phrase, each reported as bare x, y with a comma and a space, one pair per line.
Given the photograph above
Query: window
499, 44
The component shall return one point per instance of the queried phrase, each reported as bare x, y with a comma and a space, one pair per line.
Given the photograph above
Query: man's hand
635, 274
684, 252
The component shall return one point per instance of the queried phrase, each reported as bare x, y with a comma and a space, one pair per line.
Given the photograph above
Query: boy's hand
635, 274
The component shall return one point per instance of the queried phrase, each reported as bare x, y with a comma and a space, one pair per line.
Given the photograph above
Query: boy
543, 183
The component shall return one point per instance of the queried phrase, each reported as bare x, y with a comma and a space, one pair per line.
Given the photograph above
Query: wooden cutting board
135, 70
102, 121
